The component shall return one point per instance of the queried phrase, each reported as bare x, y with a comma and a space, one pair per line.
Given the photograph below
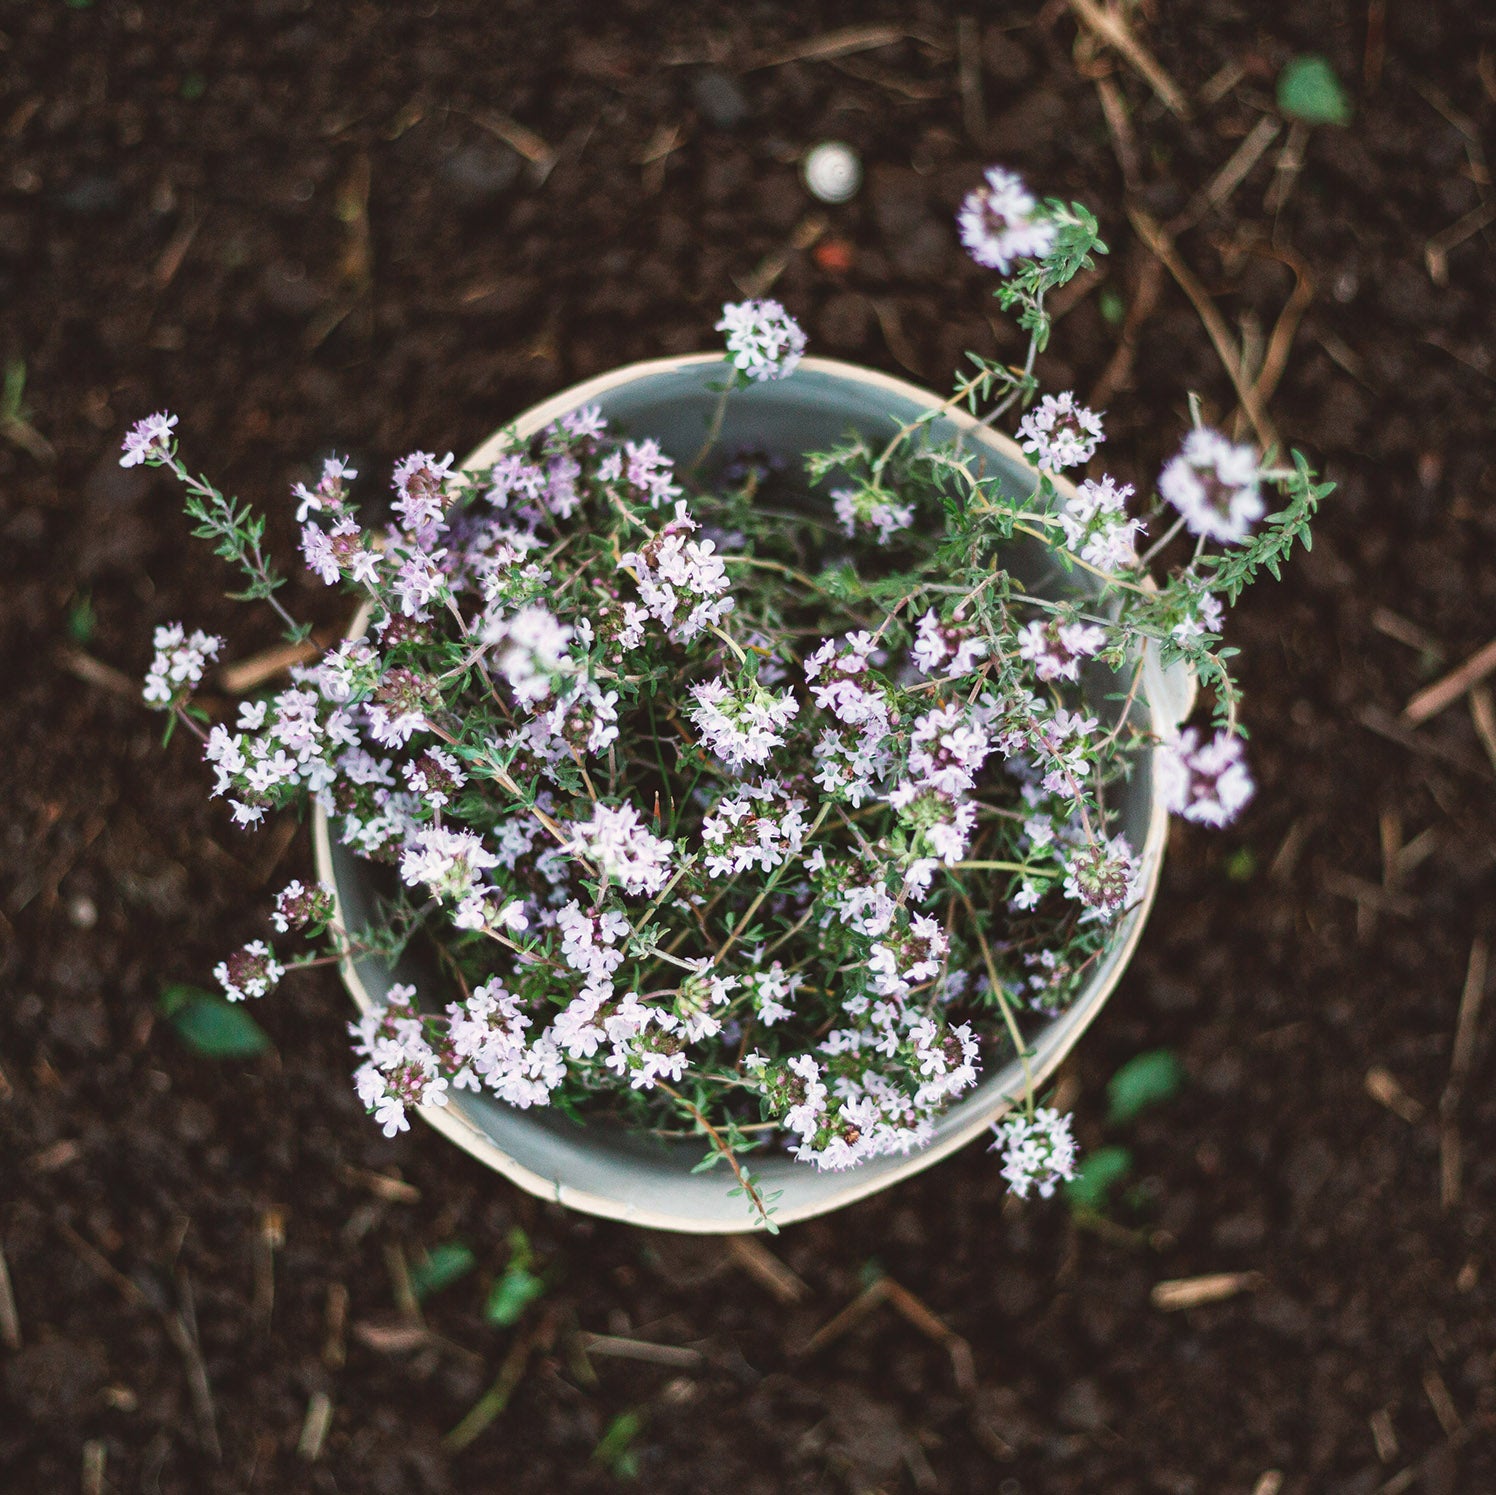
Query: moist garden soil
364, 228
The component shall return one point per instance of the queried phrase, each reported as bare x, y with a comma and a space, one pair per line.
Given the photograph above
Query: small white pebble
82, 912
832, 171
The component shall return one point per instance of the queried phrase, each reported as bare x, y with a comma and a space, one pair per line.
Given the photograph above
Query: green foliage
1309, 90
517, 1286
80, 619
614, 1451
1241, 865
1145, 1080
210, 1026
1099, 1172
440, 1267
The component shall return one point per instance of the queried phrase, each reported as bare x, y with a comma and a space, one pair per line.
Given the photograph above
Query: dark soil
295, 225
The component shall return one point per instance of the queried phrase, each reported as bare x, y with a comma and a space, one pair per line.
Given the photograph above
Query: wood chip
10, 1320
1436, 251
1220, 188
767, 1269
1451, 1146
621, 1348
335, 1320
1383, 1435
969, 75
58, 1155
95, 1463
1483, 714
249, 674
1433, 699
1405, 631
95, 672
1384, 724
1382, 1087
829, 44
1109, 27
1369, 894
1441, 1401
517, 137
315, 1427
382, 1185
1194, 1292
1268, 1483
1471, 998
391, 1337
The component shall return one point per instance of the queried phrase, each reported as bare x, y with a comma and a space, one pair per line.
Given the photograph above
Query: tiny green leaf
1144, 1081
613, 1449
1241, 865
211, 1026
518, 1287
1101, 1169
440, 1267
1308, 90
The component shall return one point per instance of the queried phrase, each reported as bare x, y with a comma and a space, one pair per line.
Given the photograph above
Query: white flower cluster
1000, 222
741, 724
763, 340
177, 669
148, 440
682, 583
1059, 433
1037, 1154
250, 972
400, 1066
1096, 527
623, 850
1214, 485
760, 825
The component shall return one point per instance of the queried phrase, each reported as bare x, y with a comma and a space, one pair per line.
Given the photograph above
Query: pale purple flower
763, 340
866, 509
586, 420
740, 726
250, 972
1214, 485
1056, 649
1103, 875
1207, 783
1059, 433
1000, 222
148, 440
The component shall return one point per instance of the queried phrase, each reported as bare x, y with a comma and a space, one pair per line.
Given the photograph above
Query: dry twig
1195, 1292
1463, 1057
315, 1428
768, 1270
1154, 236
1110, 28
1433, 699
1382, 1087
10, 1320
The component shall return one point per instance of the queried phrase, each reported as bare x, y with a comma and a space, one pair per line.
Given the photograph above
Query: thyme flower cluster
777, 816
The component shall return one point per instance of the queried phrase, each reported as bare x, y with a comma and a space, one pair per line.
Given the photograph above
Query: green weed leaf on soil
210, 1026
440, 1267
1146, 1080
1098, 1172
1308, 90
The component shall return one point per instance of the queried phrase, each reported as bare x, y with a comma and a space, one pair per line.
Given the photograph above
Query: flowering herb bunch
758, 807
